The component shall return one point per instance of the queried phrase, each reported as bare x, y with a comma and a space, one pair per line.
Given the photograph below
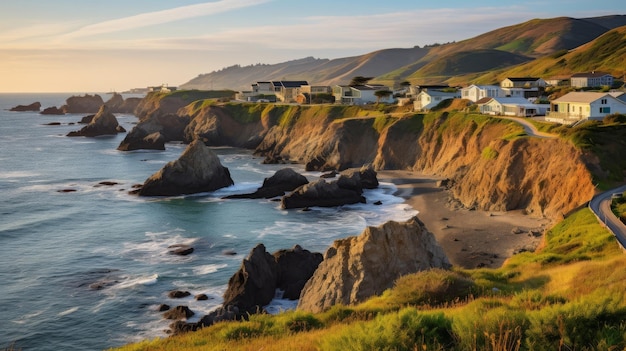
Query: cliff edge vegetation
568, 295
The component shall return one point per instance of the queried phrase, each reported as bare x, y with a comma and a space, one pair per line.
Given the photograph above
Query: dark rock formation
87, 119
357, 268
178, 312
282, 181
103, 123
180, 250
52, 111
178, 294
35, 106
117, 104
348, 189
295, 267
197, 170
254, 285
154, 132
83, 104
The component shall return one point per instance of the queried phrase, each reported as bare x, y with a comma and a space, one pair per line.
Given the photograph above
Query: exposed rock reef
153, 133
35, 106
348, 189
103, 123
357, 268
197, 170
83, 104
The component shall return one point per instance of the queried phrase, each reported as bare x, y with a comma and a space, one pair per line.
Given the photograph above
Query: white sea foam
17, 174
142, 280
156, 248
68, 311
208, 269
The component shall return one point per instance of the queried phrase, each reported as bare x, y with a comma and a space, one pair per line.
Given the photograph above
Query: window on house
603, 101
605, 110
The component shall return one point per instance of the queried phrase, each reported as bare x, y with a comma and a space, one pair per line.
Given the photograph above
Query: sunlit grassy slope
569, 295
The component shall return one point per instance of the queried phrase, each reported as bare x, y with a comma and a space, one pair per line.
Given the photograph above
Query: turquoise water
86, 269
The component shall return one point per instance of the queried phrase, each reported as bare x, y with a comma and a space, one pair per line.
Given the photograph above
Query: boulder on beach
103, 123
197, 170
357, 268
282, 181
35, 106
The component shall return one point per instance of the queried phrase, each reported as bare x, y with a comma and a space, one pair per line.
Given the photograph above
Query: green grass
489, 154
532, 302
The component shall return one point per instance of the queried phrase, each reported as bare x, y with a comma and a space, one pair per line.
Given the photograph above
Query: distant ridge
472, 60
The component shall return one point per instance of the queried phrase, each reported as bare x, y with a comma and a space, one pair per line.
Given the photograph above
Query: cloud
164, 16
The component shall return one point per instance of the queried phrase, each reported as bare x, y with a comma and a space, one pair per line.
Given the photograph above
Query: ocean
84, 266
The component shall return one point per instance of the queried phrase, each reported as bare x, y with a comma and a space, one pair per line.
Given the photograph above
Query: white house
577, 106
427, 99
477, 92
283, 90
591, 79
360, 94
511, 106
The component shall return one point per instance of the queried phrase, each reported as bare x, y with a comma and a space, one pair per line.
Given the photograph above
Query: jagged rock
197, 170
254, 284
358, 179
201, 297
178, 312
154, 132
35, 106
321, 193
103, 123
163, 307
83, 104
229, 313
282, 181
357, 268
117, 104
53, 110
87, 119
295, 267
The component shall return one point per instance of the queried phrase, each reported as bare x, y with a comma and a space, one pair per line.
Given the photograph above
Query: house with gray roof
577, 106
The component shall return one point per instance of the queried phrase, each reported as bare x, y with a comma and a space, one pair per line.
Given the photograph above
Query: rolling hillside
467, 60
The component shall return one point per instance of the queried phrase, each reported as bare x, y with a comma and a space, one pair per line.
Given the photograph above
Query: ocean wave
208, 269
18, 174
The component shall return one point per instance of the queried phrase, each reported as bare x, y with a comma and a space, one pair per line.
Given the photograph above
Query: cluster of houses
515, 96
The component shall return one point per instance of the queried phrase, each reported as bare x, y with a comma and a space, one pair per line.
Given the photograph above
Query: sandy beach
470, 238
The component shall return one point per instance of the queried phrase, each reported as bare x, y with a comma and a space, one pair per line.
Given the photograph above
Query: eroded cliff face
490, 165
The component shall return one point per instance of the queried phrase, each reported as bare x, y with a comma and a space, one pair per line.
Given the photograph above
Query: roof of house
483, 100
290, 83
483, 86
511, 100
440, 93
592, 74
523, 79
581, 96
370, 87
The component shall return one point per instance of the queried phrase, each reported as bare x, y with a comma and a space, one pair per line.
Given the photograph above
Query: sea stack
197, 170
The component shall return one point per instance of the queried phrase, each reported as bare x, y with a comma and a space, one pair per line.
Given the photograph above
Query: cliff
492, 165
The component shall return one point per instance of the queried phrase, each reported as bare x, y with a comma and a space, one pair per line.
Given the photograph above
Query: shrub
431, 287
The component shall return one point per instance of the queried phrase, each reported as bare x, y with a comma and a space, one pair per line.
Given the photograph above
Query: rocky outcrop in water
83, 104
255, 284
357, 268
117, 104
35, 106
53, 110
103, 123
197, 170
348, 189
282, 181
153, 133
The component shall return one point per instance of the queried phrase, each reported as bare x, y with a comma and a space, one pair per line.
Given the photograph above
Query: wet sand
470, 238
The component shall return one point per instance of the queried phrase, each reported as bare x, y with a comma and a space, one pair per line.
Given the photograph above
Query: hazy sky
85, 46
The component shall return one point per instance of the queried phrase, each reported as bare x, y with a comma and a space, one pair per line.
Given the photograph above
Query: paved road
601, 206
530, 128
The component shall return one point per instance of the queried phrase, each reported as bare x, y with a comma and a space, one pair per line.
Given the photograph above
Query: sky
86, 46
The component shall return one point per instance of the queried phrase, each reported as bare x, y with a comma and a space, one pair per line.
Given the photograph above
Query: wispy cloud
164, 16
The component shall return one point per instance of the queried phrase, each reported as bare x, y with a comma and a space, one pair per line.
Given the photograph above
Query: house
427, 99
477, 92
282, 90
163, 88
306, 92
511, 106
360, 94
522, 82
578, 106
591, 79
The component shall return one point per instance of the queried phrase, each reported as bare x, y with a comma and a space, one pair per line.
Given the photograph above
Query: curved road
601, 206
